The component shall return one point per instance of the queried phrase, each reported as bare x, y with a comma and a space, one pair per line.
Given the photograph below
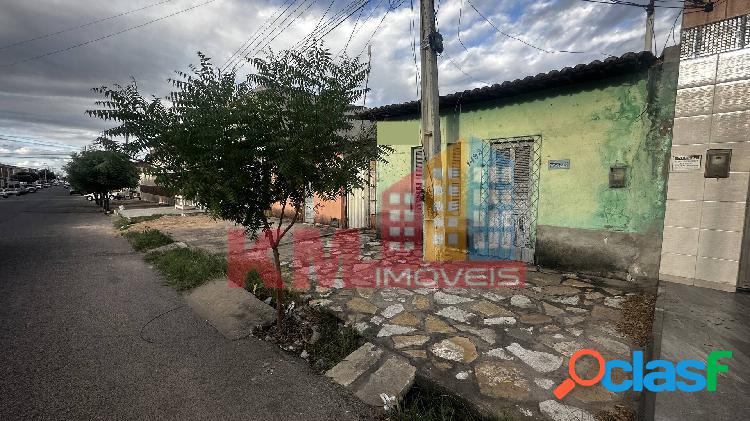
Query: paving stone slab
393, 378
561, 412
233, 311
355, 364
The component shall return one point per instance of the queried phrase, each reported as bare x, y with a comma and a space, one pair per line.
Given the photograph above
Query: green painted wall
595, 125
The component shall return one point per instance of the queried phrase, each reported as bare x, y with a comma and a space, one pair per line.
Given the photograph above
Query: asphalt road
74, 300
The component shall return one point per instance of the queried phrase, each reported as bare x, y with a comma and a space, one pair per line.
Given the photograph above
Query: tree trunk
279, 289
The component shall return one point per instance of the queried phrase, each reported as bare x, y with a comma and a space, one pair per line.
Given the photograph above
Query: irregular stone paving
504, 349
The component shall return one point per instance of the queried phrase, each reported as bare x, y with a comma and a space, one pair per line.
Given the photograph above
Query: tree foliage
25, 176
281, 135
101, 171
46, 174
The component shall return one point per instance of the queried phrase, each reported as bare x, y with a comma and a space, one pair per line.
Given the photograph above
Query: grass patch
148, 239
336, 341
123, 223
254, 285
187, 268
426, 402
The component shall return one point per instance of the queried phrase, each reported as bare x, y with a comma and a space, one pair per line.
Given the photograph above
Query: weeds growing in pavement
254, 284
426, 402
336, 341
187, 268
148, 239
123, 223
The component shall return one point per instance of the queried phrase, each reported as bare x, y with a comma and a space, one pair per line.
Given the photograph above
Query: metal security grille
714, 38
505, 206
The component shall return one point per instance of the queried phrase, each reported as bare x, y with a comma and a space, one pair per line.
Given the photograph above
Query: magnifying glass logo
568, 384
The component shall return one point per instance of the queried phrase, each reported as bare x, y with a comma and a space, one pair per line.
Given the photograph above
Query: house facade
566, 169
706, 242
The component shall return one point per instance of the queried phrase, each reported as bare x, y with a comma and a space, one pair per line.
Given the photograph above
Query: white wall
705, 217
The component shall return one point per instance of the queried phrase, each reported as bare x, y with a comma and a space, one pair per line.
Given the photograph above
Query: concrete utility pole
433, 207
649, 26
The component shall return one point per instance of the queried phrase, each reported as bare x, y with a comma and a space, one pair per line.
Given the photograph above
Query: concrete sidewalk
156, 210
690, 323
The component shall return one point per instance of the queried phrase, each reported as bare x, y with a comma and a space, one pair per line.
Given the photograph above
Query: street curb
648, 401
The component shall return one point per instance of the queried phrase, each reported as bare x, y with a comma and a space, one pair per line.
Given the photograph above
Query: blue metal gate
503, 203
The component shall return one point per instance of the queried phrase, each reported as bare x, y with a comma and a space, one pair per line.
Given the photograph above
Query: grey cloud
46, 98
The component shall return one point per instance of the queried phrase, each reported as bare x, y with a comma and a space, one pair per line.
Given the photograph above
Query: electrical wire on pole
73, 28
273, 34
113, 34
255, 35
333, 23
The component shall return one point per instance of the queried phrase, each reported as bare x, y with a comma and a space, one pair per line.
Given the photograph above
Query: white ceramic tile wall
694, 101
728, 127
681, 265
719, 244
683, 213
726, 216
691, 130
715, 270
704, 218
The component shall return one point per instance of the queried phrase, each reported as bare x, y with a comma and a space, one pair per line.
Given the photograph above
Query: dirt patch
177, 221
619, 413
316, 335
638, 318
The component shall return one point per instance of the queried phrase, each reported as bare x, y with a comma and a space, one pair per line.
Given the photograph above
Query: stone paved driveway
503, 349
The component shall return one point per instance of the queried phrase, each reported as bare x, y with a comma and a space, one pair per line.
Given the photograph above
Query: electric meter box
717, 163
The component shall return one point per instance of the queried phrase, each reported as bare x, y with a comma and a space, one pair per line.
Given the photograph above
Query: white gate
358, 205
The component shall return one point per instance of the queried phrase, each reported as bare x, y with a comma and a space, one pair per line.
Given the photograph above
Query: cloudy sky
45, 84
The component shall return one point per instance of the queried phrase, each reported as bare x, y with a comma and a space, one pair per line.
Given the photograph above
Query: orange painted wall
325, 210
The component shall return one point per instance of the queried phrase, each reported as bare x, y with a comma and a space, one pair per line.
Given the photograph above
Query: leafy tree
100, 172
25, 176
46, 174
280, 136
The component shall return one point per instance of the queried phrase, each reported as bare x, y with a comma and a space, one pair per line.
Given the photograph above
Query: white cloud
47, 98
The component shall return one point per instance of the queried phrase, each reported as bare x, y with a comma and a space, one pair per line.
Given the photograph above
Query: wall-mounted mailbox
617, 175
717, 163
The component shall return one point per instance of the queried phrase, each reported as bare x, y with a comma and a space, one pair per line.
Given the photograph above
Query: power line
453, 62
262, 34
674, 24
62, 50
73, 28
458, 28
333, 23
356, 28
521, 40
629, 3
254, 35
377, 28
287, 25
5, 137
414, 46
264, 42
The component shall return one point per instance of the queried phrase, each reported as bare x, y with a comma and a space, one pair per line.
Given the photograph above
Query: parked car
4, 193
89, 196
73, 191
